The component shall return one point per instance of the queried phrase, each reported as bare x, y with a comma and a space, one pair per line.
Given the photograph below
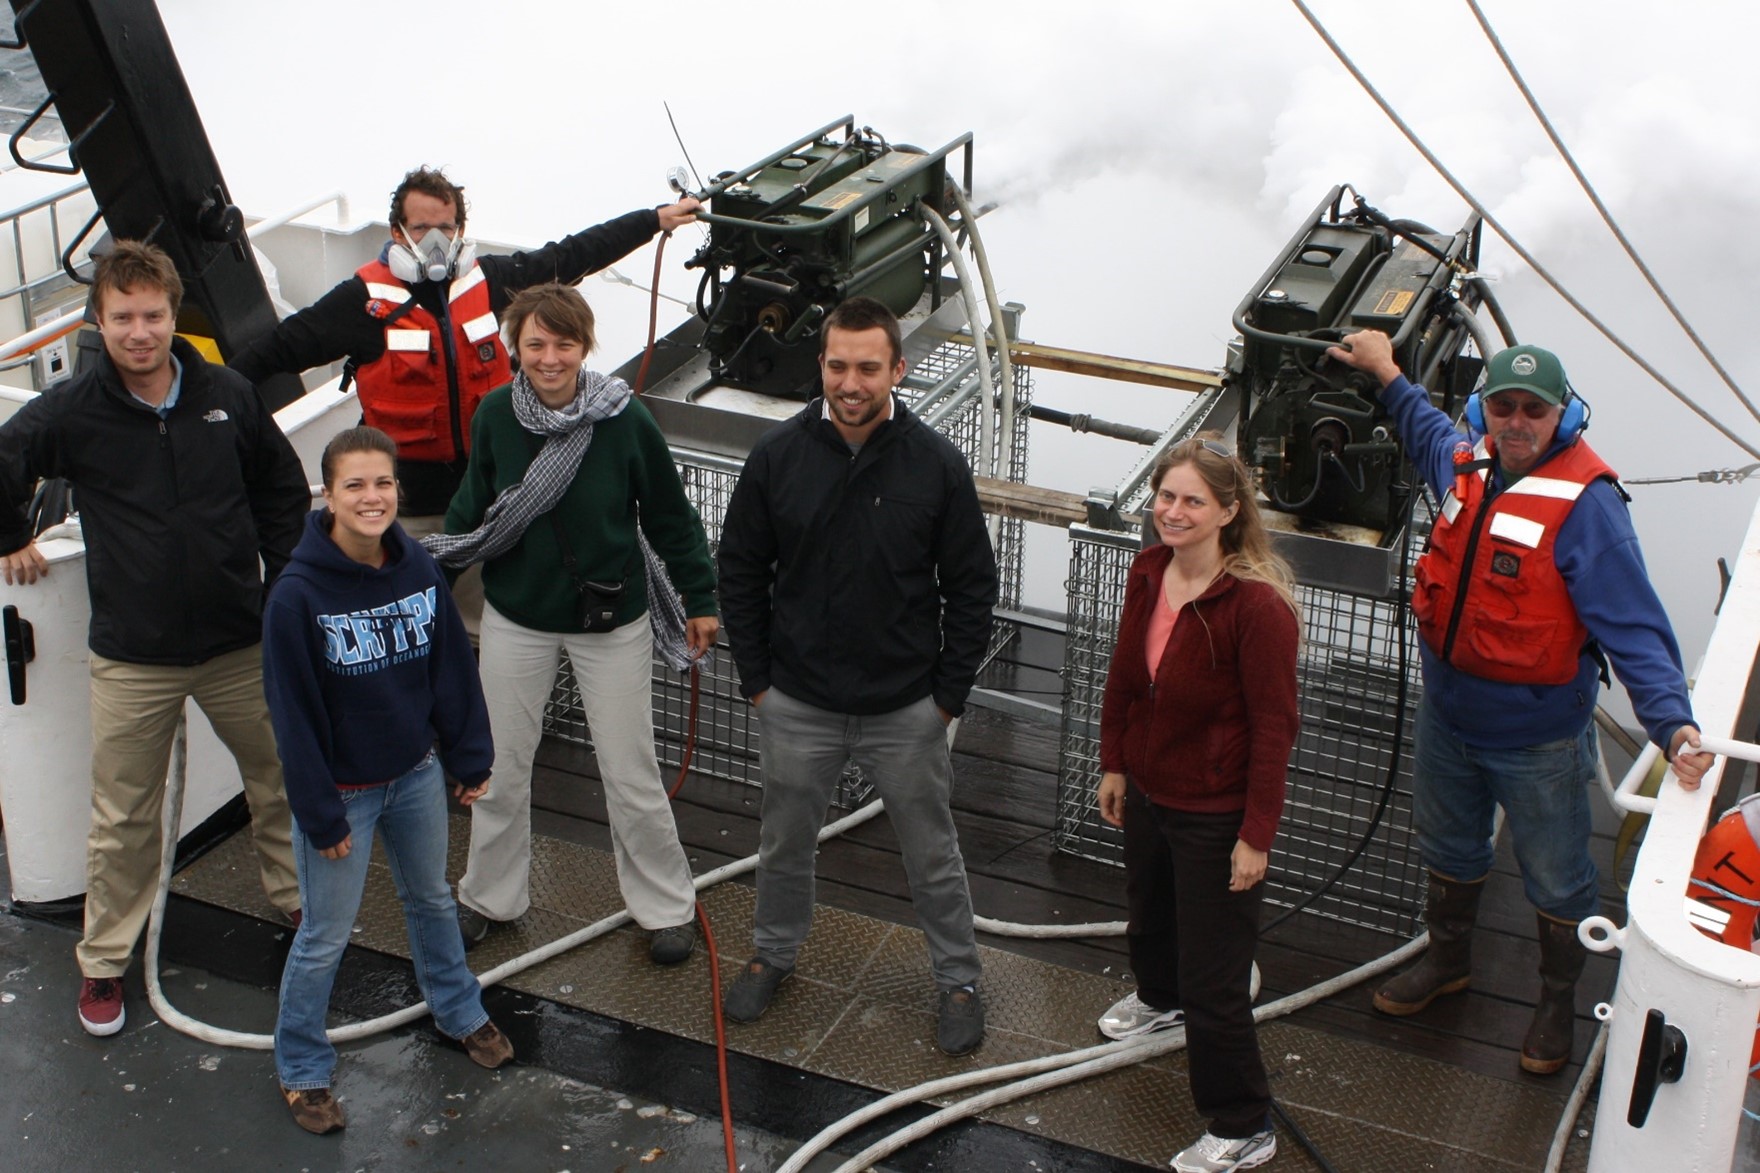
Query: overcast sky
1150, 159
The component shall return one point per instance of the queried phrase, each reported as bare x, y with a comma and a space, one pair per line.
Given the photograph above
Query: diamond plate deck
861, 1008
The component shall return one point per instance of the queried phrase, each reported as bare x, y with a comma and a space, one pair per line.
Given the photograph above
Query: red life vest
1725, 886
1488, 595
411, 392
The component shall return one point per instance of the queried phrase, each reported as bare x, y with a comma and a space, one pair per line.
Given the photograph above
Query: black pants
1176, 886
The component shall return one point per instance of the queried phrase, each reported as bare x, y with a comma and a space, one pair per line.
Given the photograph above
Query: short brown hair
559, 308
346, 443
864, 313
430, 181
133, 264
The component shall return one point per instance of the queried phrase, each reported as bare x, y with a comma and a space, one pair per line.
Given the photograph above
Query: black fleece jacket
857, 583
176, 512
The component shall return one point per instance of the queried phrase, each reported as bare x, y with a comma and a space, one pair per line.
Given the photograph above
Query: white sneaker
1213, 1154
1130, 1016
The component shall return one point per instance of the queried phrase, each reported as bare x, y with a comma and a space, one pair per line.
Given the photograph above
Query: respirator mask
435, 257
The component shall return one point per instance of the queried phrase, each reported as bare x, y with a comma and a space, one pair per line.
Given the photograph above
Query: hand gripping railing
1625, 796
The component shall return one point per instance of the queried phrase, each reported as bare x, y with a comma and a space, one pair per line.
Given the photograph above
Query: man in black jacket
418, 326
857, 584
188, 493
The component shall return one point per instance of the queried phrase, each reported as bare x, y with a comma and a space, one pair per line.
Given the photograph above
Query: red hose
690, 749
653, 313
684, 766
720, 1039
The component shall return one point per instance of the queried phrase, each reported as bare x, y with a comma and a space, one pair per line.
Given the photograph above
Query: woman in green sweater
568, 473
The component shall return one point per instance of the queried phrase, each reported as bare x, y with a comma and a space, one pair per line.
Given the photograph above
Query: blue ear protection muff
1573, 423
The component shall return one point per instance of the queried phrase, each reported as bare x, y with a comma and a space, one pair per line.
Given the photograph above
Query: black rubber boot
1548, 1045
1450, 908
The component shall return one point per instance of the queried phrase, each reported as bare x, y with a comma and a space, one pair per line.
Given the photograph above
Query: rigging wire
1711, 476
1606, 215
1496, 226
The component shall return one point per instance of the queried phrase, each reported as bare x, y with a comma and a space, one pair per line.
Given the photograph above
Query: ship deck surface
1438, 1091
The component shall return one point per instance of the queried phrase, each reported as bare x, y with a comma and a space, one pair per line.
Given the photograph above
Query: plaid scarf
567, 432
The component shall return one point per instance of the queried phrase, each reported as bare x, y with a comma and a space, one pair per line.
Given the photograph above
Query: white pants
518, 668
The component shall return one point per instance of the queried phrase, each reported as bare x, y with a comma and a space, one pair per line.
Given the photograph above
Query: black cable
1295, 1130
1399, 727
741, 348
1292, 507
1357, 482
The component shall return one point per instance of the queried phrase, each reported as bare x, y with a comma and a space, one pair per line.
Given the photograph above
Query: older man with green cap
1532, 584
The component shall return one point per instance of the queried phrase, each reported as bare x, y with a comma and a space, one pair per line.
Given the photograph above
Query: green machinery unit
834, 215
1313, 427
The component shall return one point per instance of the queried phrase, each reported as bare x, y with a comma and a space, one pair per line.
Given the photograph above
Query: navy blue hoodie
364, 669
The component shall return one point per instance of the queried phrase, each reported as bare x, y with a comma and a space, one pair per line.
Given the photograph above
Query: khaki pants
467, 591
615, 672
135, 708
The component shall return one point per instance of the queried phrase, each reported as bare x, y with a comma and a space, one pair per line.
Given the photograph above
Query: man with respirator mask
418, 326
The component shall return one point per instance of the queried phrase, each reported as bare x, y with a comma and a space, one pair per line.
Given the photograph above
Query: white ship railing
1707, 990
68, 322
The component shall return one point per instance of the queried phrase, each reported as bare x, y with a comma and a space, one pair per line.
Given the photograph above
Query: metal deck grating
861, 1008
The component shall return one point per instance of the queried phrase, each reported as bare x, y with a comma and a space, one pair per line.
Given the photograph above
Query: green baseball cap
1527, 368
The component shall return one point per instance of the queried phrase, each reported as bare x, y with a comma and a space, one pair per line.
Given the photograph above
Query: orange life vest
425, 388
1488, 595
1723, 897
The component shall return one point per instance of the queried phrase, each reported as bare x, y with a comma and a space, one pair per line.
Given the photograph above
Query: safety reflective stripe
387, 292
1707, 918
406, 339
1451, 507
1520, 530
1546, 487
465, 284
478, 329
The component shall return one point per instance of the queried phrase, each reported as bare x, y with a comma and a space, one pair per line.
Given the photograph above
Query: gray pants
904, 753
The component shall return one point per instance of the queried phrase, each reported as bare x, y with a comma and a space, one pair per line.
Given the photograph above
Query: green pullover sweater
626, 478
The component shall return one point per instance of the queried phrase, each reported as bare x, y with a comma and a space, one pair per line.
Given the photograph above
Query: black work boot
1450, 908
1548, 1044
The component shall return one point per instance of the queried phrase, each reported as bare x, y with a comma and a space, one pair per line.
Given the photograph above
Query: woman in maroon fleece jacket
1195, 735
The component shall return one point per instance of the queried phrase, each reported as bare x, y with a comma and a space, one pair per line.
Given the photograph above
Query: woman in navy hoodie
371, 686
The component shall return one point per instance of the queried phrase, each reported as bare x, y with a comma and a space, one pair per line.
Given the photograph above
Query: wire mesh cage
727, 732
1349, 796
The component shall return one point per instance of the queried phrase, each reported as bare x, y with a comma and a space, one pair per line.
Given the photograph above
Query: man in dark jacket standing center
857, 584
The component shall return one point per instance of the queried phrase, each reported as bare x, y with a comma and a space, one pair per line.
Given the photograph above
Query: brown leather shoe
315, 1109
487, 1046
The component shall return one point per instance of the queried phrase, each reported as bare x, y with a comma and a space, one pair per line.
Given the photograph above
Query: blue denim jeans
409, 814
1544, 792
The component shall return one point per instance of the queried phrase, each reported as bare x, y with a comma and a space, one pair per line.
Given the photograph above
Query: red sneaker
100, 1006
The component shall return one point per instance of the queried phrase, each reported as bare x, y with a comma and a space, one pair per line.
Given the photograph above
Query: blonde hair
1246, 544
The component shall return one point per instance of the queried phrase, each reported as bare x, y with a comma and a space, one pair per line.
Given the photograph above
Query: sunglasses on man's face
1502, 407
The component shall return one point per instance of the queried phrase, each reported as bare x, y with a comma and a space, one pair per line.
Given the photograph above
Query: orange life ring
1723, 896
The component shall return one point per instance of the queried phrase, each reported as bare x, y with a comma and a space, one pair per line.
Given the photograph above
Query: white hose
1067, 1068
1003, 928
998, 325
1561, 1139
987, 384
184, 1024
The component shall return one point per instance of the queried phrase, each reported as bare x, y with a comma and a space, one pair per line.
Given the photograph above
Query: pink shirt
1160, 627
